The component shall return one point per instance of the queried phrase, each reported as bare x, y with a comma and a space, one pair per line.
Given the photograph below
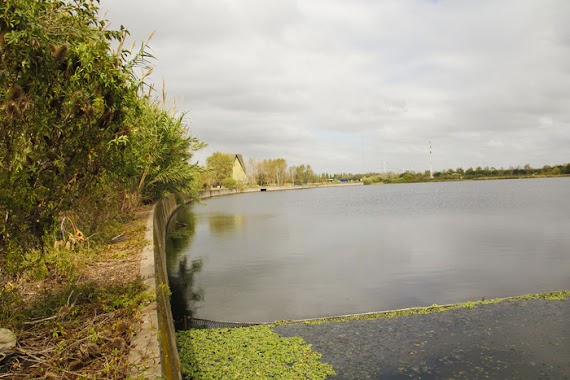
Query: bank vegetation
84, 145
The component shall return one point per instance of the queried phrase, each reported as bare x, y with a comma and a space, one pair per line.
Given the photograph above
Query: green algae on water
253, 352
551, 296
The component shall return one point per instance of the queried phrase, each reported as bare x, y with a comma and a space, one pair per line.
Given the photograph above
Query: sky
365, 85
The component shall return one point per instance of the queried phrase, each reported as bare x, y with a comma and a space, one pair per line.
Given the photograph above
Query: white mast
430, 166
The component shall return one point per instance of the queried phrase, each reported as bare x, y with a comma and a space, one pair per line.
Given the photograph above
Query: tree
303, 174
252, 167
220, 166
76, 135
555, 171
279, 166
66, 100
155, 159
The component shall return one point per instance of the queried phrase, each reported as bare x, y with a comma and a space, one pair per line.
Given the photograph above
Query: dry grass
77, 321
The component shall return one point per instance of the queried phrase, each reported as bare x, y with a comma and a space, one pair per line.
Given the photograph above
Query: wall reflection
184, 294
181, 231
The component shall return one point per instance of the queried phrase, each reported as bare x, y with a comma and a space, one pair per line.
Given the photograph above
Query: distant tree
252, 168
263, 173
229, 183
304, 174
555, 171
406, 177
280, 169
220, 167
271, 171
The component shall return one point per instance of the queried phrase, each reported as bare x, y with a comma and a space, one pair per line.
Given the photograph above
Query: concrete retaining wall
170, 361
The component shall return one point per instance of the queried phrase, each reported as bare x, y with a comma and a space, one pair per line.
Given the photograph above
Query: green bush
77, 138
229, 183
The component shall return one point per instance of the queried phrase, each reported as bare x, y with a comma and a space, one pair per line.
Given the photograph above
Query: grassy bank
75, 311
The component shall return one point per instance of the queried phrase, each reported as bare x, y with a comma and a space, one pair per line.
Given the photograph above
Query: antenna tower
430, 166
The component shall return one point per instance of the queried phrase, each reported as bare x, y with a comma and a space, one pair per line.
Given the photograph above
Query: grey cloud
347, 86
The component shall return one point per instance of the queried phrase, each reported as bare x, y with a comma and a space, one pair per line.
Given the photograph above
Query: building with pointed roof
238, 171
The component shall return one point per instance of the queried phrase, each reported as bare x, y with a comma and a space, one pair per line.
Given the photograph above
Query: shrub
229, 183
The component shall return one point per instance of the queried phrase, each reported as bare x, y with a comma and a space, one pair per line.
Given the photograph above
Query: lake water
331, 251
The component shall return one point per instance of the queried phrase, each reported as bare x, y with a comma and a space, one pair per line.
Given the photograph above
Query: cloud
348, 86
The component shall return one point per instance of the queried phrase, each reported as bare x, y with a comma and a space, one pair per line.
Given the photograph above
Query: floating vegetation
247, 353
551, 296
257, 352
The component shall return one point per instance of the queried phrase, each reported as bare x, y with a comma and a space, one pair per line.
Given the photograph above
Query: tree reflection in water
180, 233
222, 223
183, 295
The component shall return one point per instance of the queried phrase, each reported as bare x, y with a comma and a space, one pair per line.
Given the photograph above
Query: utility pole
430, 165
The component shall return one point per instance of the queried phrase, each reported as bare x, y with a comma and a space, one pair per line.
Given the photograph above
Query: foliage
229, 183
65, 98
248, 353
477, 173
220, 166
77, 139
155, 158
268, 171
302, 174
369, 179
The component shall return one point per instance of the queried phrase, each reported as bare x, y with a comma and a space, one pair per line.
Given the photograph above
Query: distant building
238, 172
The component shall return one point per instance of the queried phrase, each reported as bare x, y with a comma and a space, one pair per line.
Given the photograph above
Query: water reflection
222, 223
314, 253
184, 294
181, 232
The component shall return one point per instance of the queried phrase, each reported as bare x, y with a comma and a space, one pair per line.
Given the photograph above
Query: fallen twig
41, 320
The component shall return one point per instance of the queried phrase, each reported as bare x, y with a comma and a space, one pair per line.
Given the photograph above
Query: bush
229, 183
76, 136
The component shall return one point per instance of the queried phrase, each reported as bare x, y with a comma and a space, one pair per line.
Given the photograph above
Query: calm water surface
331, 251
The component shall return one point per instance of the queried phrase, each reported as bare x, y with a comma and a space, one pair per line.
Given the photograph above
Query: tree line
261, 172
468, 174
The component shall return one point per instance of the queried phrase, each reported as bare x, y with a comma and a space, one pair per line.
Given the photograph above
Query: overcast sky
358, 85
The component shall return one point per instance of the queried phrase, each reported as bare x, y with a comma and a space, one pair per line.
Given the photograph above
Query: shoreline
213, 192
218, 192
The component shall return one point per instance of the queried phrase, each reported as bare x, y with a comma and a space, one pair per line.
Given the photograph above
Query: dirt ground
81, 329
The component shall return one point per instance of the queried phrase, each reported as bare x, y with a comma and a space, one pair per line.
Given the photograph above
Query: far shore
216, 192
